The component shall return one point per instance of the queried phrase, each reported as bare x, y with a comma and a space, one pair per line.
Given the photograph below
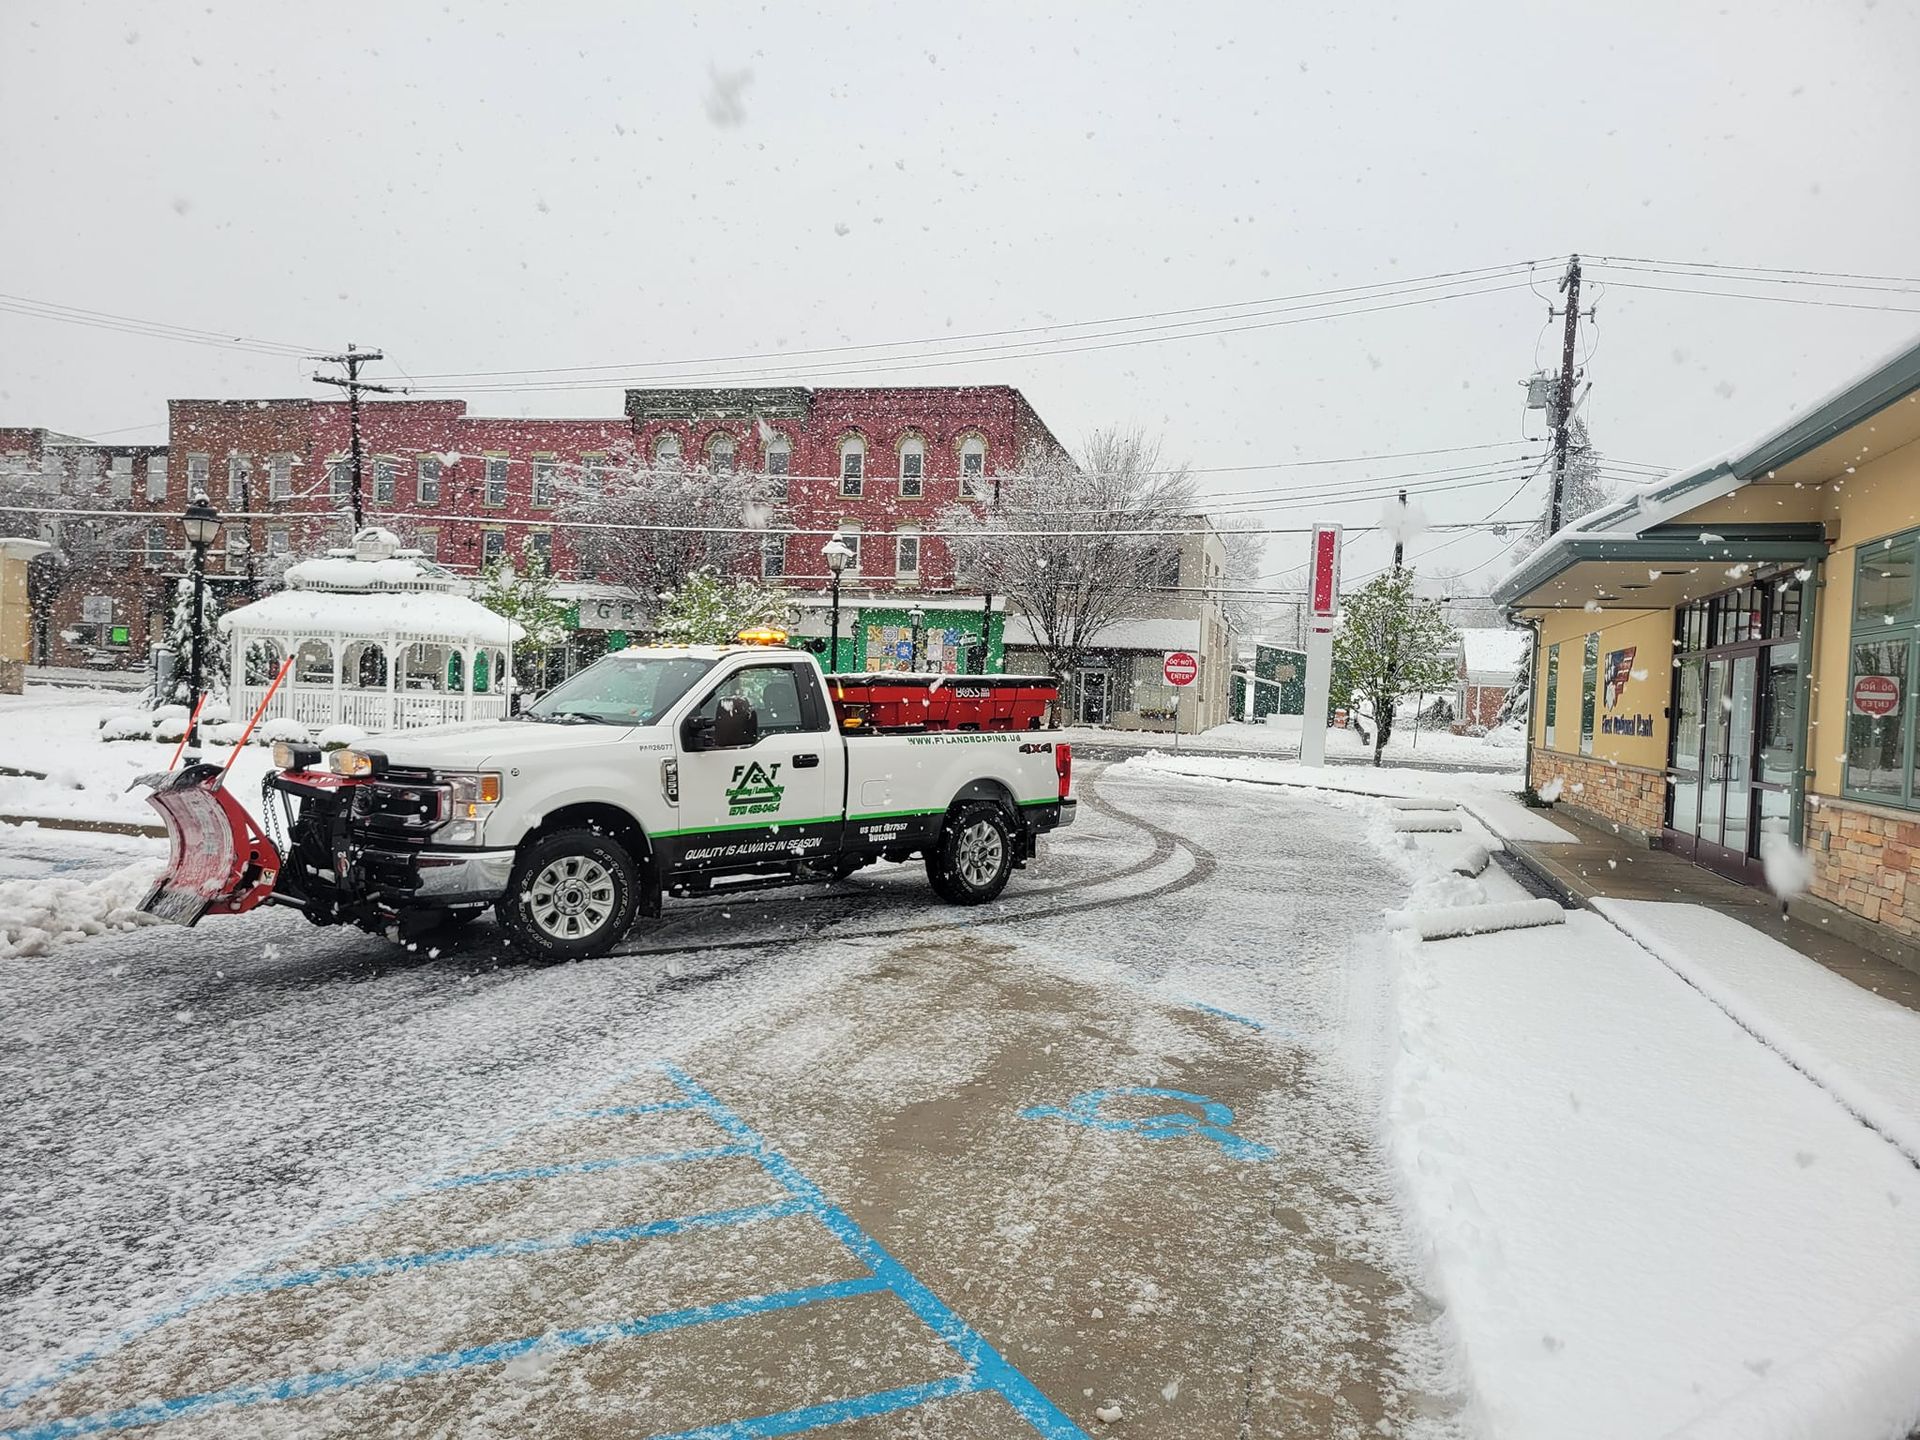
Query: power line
890, 365
133, 325
1771, 299
1761, 269
1442, 277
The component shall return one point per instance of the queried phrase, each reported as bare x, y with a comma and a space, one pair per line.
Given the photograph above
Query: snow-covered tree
1516, 705
670, 519
1391, 644
525, 596
712, 609
213, 648
1586, 490
1076, 548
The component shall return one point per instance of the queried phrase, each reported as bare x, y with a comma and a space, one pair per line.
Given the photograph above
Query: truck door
773, 799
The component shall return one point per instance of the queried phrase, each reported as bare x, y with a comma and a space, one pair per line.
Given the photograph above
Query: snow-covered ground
1649, 1207
1279, 735
55, 733
185, 1105
1632, 1171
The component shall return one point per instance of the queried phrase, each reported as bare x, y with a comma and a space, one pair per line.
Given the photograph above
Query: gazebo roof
321, 614
374, 589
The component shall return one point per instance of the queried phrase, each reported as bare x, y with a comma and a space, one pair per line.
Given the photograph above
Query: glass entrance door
1723, 829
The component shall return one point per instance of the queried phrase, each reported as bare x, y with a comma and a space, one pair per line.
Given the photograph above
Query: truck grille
388, 808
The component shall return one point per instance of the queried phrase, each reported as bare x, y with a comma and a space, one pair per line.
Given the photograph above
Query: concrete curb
95, 827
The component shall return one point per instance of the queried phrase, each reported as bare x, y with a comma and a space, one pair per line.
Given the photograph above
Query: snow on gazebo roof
374, 588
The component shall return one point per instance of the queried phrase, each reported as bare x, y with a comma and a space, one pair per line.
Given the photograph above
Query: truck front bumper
437, 877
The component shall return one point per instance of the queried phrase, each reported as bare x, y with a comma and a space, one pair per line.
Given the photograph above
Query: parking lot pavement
943, 1195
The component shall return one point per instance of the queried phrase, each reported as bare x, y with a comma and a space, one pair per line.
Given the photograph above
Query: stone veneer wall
1866, 861
1626, 795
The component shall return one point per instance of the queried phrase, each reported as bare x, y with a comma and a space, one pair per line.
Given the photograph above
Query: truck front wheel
572, 896
970, 862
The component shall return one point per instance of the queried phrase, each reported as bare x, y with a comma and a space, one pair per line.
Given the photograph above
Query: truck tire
572, 896
970, 862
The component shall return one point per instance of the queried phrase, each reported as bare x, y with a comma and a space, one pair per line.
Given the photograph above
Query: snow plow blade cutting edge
218, 861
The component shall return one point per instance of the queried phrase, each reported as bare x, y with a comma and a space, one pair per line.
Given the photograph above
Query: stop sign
1876, 695
1180, 668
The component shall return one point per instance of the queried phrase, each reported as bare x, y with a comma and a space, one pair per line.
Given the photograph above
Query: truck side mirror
736, 724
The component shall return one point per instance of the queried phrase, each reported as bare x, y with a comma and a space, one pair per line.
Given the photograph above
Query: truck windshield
619, 690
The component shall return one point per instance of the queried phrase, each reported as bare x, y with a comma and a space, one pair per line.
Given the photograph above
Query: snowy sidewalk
1640, 1218
1863, 1048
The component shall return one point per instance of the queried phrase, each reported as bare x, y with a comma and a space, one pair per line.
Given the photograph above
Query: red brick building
882, 464
102, 592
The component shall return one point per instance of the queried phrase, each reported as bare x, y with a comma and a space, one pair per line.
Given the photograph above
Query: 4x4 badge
754, 791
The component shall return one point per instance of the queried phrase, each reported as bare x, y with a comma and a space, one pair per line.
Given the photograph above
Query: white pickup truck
652, 773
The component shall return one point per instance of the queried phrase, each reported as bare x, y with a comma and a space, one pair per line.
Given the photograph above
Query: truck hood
490, 744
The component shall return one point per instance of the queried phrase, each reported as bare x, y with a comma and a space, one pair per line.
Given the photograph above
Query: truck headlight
471, 796
350, 762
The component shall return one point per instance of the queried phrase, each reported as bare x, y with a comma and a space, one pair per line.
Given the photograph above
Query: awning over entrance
1658, 569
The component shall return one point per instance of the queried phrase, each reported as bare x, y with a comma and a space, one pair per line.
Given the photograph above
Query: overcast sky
491, 187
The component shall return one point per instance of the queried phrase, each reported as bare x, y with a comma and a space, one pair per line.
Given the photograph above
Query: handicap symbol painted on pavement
1215, 1121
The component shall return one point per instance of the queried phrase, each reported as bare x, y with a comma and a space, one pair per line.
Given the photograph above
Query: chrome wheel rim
572, 898
981, 852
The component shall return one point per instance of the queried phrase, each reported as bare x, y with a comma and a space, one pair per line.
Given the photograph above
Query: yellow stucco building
1727, 661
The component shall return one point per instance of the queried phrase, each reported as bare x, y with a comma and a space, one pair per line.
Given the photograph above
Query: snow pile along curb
38, 915
1459, 920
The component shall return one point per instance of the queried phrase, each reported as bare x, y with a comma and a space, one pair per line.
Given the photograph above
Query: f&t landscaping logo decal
754, 791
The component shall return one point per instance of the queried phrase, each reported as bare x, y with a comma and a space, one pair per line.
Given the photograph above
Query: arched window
853, 465
913, 466
666, 449
720, 453
779, 455
779, 464
973, 468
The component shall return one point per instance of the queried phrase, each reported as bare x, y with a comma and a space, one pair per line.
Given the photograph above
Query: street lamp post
837, 555
201, 522
919, 618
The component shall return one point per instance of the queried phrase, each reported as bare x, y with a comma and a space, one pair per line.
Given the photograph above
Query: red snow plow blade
218, 861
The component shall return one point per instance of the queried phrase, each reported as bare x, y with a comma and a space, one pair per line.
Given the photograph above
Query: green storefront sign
949, 641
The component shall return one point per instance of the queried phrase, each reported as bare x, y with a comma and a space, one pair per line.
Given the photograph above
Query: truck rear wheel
572, 896
970, 862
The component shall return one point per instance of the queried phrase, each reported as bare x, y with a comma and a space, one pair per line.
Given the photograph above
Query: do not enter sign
1180, 668
1876, 695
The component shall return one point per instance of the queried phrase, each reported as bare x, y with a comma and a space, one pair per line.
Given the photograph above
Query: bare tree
1246, 553
1078, 548
689, 518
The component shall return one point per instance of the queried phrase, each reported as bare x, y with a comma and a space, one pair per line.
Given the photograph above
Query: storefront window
1553, 691
1880, 729
1877, 718
1883, 583
1589, 684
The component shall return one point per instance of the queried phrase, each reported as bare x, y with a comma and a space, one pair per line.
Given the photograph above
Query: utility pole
353, 385
1400, 536
1563, 396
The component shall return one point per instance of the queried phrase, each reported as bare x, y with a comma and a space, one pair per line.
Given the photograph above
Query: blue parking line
590, 1167
980, 1358
1246, 1020
23, 1390
302, 1387
616, 1235
834, 1412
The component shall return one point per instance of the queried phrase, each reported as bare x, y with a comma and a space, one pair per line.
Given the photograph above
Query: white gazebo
382, 638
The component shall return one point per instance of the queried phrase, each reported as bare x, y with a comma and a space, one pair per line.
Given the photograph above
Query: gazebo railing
319, 706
